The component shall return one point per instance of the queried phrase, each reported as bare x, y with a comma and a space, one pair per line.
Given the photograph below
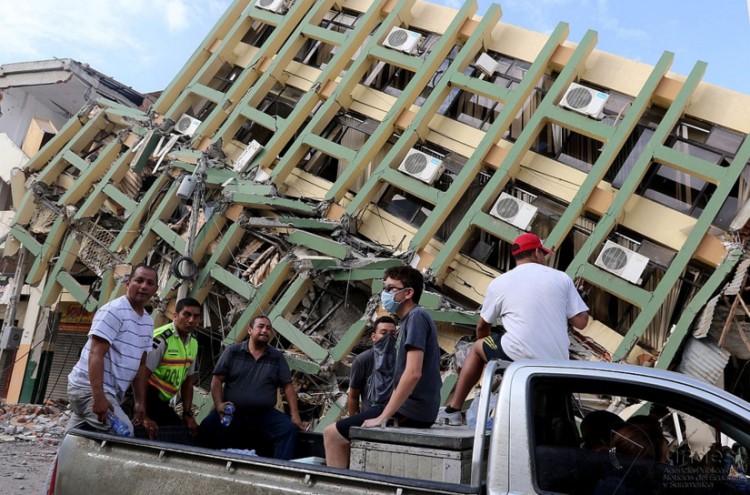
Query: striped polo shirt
129, 336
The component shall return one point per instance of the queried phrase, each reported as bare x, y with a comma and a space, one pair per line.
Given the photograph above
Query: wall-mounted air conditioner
187, 125
278, 6
621, 261
253, 148
422, 166
403, 40
486, 64
513, 211
585, 100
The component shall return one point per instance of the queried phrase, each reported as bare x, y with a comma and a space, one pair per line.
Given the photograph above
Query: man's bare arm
100, 405
580, 320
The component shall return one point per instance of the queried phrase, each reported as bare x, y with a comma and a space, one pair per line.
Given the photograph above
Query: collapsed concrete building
306, 146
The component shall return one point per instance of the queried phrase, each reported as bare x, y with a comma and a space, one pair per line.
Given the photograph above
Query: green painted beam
133, 224
256, 201
320, 244
299, 339
302, 366
399, 59
120, 197
350, 338
29, 241
96, 197
169, 236
512, 161
206, 92
625, 290
694, 166
324, 35
222, 253
261, 303
454, 317
75, 289
330, 148
144, 153
483, 87
309, 223
449, 381
414, 186
430, 300
50, 248
232, 283
244, 186
694, 307
58, 142
75, 160
52, 287
490, 224
358, 274
331, 416
106, 164
262, 118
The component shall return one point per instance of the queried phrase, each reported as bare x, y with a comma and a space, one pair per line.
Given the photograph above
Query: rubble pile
39, 423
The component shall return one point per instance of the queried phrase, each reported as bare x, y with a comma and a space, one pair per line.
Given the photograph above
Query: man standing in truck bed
170, 366
119, 339
535, 304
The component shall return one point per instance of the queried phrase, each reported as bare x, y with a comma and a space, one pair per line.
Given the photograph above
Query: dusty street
23, 465
29, 435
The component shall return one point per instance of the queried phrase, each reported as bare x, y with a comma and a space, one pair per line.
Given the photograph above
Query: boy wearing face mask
415, 399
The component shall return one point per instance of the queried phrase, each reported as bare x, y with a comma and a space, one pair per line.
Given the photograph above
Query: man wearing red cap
535, 304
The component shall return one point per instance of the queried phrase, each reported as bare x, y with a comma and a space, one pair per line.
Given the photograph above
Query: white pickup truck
534, 446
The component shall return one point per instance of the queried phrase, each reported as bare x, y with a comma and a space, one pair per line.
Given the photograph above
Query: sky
144, 43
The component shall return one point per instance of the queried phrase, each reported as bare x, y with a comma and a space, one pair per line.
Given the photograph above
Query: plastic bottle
228, 413
116, 426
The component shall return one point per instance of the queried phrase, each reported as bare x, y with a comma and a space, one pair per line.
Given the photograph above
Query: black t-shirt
249, 383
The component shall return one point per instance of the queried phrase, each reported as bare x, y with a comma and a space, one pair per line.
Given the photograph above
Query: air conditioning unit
253, 148
403, 40
486, 64
278, 6
514, 211
585, 100
187, 125
621, 261
10, 338
422, 166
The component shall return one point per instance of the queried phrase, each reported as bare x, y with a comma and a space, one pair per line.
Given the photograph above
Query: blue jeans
247, 428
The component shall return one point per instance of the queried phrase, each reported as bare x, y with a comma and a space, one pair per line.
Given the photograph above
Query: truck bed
101, 461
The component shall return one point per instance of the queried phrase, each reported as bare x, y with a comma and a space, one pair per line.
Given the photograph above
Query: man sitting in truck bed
416, 394
248, 376
535, 303
371, 373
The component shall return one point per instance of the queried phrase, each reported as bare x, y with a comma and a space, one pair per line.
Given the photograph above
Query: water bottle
116, 426
228, 412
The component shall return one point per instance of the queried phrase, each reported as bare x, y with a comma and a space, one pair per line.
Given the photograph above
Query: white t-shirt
129, 336
533, 302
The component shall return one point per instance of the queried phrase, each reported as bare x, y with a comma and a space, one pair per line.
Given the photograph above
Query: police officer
170, 367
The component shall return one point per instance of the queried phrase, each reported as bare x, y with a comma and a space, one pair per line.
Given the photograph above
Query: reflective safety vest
175, 364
